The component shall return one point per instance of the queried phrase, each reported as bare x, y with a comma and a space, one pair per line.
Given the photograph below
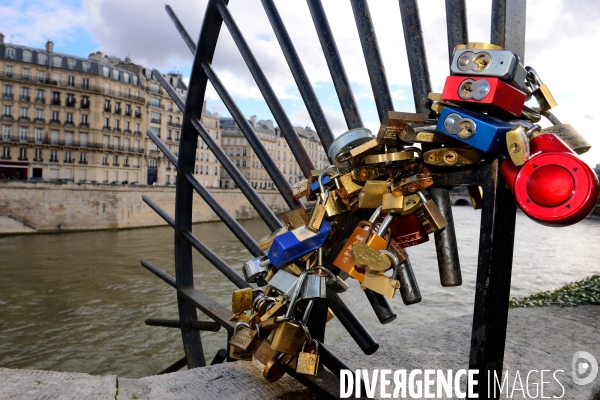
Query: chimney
49, 46
97, 56
1, 37
253, 120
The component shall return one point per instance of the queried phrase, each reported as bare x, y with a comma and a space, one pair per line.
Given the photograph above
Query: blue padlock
296, 243
478, 130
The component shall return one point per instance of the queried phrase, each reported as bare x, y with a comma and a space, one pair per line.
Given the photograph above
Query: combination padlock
554, 187
501, 64
480, 131
484, 93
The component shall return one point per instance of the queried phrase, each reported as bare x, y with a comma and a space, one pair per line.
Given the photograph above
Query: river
77, 301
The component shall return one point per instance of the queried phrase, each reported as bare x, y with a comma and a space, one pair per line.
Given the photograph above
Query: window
42, 58
10, 53
152, 163
40, 96
6, 152
83, 158
53, 155
86, 67
116, 142
39, 133
117, 107
38, 155
85, 102
127, 126
68, 156
8, 92
71, 80
105, 142
104, 159
56, 78
25, 94
69, 120
53, 137
26, 56
115, 161
56, 98
154, 102
86, 83
24, 113
83, 138
126, 145
116, 74
42, 76
107, 105
55, 117
84, 120
25, 73
71, 63
107, 88
117, 122
126, 77
155, 130
176, 135
23, 133
168, 179
154, 117
105, 70
136, 162
57, 61
70, 100
136, 145
128, 109
138, 113
169, 137
7, 111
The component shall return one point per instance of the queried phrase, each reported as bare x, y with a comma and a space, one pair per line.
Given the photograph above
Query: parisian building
239, 151
85, 120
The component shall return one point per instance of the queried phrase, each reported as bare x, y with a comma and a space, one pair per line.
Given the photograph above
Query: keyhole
467, 89
450, 157
515, 148
466, 130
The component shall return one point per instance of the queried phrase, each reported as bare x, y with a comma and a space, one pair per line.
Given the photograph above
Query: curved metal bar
284, 123
247, 190
336, 67
375, 67
304, 86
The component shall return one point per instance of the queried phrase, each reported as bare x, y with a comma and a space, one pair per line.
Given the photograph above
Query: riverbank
442, 345
42, 207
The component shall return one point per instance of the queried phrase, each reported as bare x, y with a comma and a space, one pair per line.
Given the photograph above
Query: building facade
239, 151
85, 120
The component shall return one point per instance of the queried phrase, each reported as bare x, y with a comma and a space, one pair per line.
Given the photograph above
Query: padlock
308, 362
517, 145
267, 241
423, 134
407, 230
539, 90
284, 282
429, 215
399, 123
275, 368
367, 173
336, 204
484, 94
238, 354
480, 131
295, 218
380, 283
255, 270
476, 195
389, 157
318, 212
299, 189
409, 289
350, 187
566, 132
501, 64
339, 151
359, 153
411, 202
288, 337
554, 187
371, 194
243, 336
412, 184
273, 309
241, 300
369, 257
391, 203
296, 243
455, 157
314, 285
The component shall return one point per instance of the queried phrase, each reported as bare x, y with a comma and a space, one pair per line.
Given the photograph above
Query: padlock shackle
551, 117
422, 196
240, 323
294, 298
385, 224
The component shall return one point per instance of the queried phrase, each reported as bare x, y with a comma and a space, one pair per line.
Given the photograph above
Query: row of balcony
70, 143
68, 84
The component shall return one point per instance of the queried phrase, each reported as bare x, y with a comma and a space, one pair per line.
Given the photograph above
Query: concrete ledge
538, 339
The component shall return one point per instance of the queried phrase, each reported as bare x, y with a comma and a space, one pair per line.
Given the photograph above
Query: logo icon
584, 368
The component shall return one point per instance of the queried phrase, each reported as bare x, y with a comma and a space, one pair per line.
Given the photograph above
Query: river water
77, 301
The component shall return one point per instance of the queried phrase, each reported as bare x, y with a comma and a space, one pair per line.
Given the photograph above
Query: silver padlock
284, 282
314, 285
255, 269
341, 146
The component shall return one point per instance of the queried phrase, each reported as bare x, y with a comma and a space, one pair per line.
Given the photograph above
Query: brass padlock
238, 354
275, 368
366, 173
371, 194
350, 187
476, 195
318, 213
391, 203
241, 300
308, 362
395, 122
243, 336
567, 133
517, 144
288, 337
412, 184
456, 157
295, 218
430, 215
299, 190
539, 90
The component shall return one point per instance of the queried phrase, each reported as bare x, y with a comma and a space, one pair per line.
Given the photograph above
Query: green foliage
586, 291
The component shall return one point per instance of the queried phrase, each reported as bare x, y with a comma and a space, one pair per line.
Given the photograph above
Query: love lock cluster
481, 115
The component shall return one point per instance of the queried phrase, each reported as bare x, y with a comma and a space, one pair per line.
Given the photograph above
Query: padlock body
288, 338
296, 243
407, 231
501, 64
308, 364
570, 136
344, 259
484, 91
554, 187
313, 287
486, 133
430, 217
379, 283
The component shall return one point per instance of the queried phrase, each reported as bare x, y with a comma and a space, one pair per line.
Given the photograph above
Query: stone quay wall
61, 207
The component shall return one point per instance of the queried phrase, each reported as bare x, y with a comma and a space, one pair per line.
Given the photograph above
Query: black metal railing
499, 208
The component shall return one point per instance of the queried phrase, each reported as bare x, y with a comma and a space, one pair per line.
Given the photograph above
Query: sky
561, 38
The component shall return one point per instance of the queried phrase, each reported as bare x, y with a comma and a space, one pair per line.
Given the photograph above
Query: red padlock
491, 94
554, 187
407, 230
